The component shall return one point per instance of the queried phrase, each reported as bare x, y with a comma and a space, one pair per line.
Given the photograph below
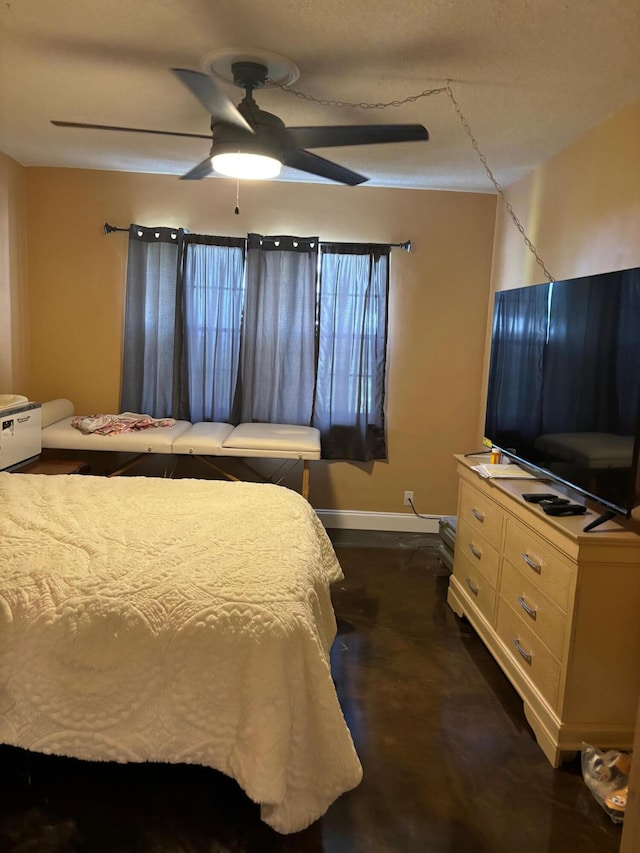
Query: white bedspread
175, 621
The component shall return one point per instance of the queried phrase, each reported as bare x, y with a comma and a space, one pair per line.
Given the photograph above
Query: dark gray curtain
153, 323
213, 292
352, 336
277, 355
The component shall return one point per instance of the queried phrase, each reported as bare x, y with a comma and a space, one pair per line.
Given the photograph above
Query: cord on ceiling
498, 187
465, 124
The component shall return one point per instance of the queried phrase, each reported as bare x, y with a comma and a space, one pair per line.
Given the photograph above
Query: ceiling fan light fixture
244, 164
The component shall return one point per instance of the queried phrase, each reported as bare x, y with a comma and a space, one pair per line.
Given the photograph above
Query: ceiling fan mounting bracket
249, 75
279, 69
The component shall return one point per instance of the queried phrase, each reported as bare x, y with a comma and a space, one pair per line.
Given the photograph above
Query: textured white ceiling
531, 76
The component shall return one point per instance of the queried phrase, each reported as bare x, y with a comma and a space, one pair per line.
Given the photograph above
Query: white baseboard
393, 521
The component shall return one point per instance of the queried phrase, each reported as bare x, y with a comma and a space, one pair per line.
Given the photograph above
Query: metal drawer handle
537, 567
472, 587
476, 553
528, 610
524, 654
477, 515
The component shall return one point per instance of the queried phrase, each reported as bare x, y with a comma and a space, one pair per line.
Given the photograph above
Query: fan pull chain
237, 210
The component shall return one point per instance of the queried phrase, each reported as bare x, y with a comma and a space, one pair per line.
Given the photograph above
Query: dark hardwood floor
450, 763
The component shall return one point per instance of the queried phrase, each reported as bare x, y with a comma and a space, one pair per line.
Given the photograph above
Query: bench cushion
273, 441
56, 410
203, 439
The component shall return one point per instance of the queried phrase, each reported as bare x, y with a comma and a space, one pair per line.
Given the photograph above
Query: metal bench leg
218, 470
130, 464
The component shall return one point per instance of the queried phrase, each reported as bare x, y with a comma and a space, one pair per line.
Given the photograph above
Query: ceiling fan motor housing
269, 137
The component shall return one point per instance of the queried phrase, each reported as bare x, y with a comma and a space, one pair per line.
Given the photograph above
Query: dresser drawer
546, 621
481, 513
529, 652
543, 564
478, 550
475, 586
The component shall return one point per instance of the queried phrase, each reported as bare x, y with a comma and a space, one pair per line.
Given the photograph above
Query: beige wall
581, 209
439, 298
14, 330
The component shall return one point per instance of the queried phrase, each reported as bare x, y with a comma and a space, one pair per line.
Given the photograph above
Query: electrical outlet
408, 498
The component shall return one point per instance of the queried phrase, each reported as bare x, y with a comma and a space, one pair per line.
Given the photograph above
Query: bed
181, 621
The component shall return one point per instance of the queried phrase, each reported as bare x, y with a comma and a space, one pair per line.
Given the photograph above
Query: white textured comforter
177, 621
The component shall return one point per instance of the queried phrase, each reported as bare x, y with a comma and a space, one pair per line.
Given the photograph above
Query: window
227, 329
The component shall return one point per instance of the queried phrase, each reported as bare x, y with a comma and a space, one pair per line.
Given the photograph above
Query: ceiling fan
246, 136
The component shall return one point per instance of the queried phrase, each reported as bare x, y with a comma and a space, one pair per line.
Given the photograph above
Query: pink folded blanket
116, 424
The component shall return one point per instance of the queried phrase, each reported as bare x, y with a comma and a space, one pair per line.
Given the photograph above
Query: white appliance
20, 434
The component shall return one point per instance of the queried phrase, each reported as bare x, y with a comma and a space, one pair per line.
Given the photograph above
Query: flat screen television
563, 394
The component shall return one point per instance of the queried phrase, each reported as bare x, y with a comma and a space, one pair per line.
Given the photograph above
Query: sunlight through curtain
352, 336
212, 273
278, 334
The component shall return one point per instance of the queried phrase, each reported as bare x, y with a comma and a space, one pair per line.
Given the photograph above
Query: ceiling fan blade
214, 100
129, 129
200, 171
307, 162
362, 134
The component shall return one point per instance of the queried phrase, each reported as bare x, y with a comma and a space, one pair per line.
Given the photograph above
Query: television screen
564, 383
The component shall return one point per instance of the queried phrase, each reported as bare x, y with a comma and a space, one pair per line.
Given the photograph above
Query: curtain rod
406, 245
109, 229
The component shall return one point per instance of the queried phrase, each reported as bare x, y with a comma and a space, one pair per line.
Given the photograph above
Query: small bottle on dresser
496, 456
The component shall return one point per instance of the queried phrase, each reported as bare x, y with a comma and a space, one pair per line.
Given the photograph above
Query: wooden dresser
558, 609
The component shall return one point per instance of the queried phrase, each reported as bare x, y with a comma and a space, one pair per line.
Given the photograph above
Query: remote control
564, 509
536, 497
